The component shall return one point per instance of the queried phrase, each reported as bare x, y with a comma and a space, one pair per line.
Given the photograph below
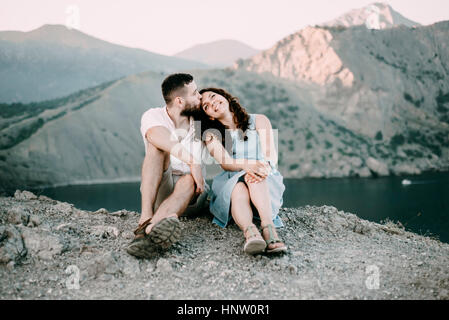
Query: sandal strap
141, 228
273, 238
252, 233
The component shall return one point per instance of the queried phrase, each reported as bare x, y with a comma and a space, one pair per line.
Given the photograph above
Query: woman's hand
256, 171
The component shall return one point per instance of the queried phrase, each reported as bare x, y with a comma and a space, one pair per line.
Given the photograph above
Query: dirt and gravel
52, 250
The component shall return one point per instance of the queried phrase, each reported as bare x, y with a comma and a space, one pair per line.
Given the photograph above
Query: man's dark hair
174, 82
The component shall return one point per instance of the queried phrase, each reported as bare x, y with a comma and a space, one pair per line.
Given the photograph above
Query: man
172, 173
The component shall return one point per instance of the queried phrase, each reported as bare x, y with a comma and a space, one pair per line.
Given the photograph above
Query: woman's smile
213, 104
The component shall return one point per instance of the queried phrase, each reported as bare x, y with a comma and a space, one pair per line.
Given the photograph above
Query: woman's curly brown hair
240, 117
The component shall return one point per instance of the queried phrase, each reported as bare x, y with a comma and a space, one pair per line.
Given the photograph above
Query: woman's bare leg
260, 196
241, 209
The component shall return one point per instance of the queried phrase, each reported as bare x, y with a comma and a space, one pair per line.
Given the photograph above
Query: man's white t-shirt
159, 117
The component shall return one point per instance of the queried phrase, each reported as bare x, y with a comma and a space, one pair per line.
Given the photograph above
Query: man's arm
162, 139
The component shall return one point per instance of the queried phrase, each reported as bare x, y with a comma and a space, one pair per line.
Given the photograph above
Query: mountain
387, 17
347, 101
368, 79
220, 53
53, 61
93, 136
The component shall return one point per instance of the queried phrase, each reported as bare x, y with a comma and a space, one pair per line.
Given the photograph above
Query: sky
170, 26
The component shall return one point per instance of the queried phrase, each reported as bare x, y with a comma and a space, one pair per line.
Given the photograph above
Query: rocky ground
52, 250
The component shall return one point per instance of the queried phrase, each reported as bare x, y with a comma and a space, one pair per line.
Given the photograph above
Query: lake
422, 206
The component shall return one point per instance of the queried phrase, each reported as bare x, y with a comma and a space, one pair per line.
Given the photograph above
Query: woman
250, 179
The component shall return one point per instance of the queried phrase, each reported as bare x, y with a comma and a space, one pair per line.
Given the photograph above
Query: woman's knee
240, 192
254, 183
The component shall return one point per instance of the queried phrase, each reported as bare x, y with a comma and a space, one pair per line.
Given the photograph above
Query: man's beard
191, 111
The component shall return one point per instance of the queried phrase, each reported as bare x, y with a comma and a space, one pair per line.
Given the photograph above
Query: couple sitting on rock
173, 170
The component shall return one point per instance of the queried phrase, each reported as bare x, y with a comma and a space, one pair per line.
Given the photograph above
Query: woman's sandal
253, 245
273, 239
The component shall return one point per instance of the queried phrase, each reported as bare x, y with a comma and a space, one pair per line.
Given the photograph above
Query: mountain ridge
219, 53
377, 15
53, 61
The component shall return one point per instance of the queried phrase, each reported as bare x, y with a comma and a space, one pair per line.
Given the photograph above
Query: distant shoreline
10, 191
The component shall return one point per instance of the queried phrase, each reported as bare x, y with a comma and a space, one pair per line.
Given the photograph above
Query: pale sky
170, 26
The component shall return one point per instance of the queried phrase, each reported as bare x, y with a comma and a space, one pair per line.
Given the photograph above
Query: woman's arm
254, 168
265, 131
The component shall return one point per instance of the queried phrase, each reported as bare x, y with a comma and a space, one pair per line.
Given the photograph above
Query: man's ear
179, 100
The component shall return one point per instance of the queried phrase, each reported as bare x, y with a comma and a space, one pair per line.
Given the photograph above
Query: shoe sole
255, 246
277, 250
140, 249
166, 232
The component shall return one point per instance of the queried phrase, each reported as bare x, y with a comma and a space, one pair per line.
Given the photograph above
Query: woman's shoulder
259, 119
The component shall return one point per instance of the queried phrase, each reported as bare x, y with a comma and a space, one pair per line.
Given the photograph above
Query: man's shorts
168, 182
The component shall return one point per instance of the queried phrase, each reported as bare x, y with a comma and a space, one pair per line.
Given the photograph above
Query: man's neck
175, 115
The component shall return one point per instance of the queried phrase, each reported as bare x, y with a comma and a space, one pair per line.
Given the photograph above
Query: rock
297, 253
209, 263
405, 168
63, 226
292, 269
24, 195
128, 235
80, 213
377, 167
149, 268
104, 264
364, 172
306, 168
120, 213
112, 264
129, 265
18, 215
361, 228
101, 211
105, 231
63, 208
11, 244
46, 199
316, 174
34, 221
355, 162
42, 243
164, 266
329, 210
392, 230
345, 170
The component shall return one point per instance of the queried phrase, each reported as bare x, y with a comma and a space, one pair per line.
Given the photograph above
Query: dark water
422, 207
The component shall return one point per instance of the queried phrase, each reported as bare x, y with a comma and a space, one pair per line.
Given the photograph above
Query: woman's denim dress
224, 182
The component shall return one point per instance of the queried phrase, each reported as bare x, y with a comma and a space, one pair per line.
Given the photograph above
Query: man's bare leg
155, 163
177, 202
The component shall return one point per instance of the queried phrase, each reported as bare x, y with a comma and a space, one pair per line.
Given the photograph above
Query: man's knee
154, 154
186, 182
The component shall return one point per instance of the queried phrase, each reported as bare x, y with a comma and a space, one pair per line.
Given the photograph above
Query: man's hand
197, 174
